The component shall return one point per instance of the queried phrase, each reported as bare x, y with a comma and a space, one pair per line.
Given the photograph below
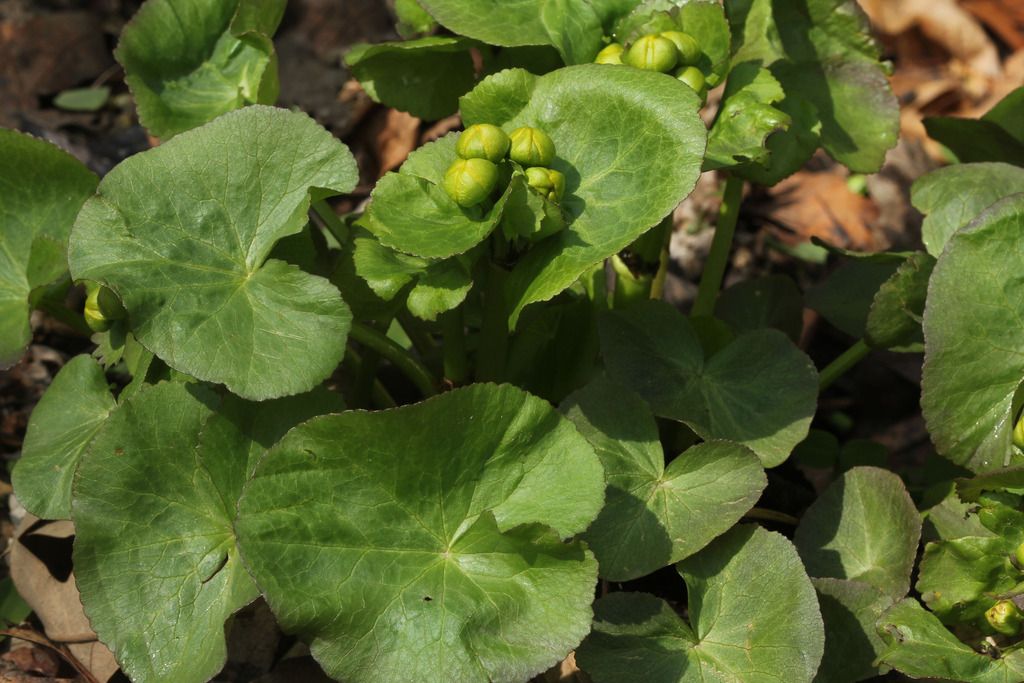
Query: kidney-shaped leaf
863, 527
952, 197
754, 618
182, 233
759, 390
424, 77
189, 61
424, 542
571, 26
69, 415
656, 515
630, 144
974, 340
43, 188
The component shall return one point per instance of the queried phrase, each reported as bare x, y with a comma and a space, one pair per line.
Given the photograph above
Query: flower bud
1019, 556
692, 76
1004, 618
470, 181
687, 46
483, 141
531, 147
1018, 433
102, 308
611, 54
652, 53
549, 182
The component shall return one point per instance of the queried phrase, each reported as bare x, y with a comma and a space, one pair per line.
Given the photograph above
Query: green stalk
379, 395
844, 362
490, 362
771, 516
453, 331
718, 258
420, 338
331, 220
396, 355
629, 288
658, 285
367, 374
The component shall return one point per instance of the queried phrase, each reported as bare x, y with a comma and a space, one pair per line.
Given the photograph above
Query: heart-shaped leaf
43, 188
653, 515
920, 646
772, 301
864, 527
746, 118
189, 61
424, 542
753, 618
154, 501
424, 77
952, 197
630, 144
822, 53
759, 390
182, 233
64, 422
974, 346
850, 610
571, 26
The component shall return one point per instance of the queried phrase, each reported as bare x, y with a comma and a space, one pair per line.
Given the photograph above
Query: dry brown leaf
395, 134
821, 205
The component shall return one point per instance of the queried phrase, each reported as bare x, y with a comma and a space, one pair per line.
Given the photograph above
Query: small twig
59, 648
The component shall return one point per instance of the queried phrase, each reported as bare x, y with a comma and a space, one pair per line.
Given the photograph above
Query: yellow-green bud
547, 181
470, 181
1018, 433
687, 46
531, 147
610, 54
1004, 618
693, 77
483, 141
1019, 556
652, 53
102, 308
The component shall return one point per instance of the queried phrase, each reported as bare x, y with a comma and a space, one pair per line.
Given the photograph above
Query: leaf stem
397, 356
331, 220
490, 362
367, 373
453, 331
844, 362
771, 516
718, 258
379, 395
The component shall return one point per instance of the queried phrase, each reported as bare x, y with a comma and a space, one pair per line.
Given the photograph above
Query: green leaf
920, 646
13, 608
894, 319
822, 53
653, 515
746, 118
846, 296
850, 610
424, 77
438, 517
571, 26
960, 577
610, 127
43, 188
82, 99
182, 233
1007, 478
951, 517
772, 301
189, 61
974, 346
998, 136
952, 197
412, 19
753, 619
64, 422
411, 212
759, 390
437, 286
155, 556
864, 527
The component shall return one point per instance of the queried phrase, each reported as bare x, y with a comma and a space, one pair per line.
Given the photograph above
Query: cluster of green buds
473, 175
668, 52
102, 307
1004, 618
